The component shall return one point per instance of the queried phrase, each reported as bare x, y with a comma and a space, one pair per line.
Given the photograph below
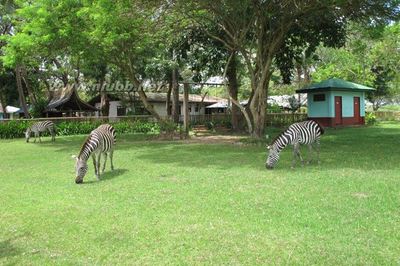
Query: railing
387, 115
283, 119
271, 119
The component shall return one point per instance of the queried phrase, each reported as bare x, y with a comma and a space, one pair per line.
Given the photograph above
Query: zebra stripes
100, 141
39, 127
306, 132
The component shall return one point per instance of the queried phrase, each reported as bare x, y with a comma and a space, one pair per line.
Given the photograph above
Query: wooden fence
271, 119
387, 116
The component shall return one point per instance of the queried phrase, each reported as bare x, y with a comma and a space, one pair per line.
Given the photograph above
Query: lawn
195, 203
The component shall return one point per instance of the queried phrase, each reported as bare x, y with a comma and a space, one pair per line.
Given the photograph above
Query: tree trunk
104, 101
233, 91
31, 94
168, 102
21, 92
259, 101
175, 96
186, 109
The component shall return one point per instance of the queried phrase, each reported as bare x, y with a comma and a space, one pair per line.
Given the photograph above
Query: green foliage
16, 129
213, 125
13, 129
370, 119
38, 109
168, 126
274, 108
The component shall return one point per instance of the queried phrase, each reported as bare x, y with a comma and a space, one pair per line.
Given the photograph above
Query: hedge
16, 129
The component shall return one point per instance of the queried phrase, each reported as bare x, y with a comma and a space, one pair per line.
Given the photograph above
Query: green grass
177, 203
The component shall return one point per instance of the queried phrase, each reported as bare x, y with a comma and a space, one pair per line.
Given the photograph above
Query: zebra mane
83, 145
277, 137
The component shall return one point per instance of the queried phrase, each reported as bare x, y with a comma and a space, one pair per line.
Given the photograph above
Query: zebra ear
268, 147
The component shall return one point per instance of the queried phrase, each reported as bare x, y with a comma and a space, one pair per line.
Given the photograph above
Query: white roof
224, 104
12, 109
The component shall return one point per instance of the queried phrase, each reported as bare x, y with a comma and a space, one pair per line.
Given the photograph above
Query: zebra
39, 127
101, 140
306, 132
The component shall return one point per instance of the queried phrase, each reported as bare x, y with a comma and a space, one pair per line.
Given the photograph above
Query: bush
13, 129
370, 119
17, 128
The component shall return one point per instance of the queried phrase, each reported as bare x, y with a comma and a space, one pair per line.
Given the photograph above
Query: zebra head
28, 134
80, 170
272, 158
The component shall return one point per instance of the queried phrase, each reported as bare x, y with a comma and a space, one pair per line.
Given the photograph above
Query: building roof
334, 84
161, 97
224, 104
67, 99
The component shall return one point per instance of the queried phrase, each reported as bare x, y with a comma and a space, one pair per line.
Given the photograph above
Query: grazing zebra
41, 127
306, 132
101, 140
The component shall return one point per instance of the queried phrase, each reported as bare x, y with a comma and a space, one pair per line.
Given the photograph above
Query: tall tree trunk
31, 94
168, 102
233, 91
259, 101
186, 109
3, 101
175, 96
104, 101
21, 92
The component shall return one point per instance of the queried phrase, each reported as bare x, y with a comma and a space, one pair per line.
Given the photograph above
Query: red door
338, 110
357, 117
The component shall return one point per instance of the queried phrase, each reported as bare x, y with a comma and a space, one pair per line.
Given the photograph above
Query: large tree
268, 32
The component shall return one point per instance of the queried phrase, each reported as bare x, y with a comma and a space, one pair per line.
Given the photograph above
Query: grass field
179, 203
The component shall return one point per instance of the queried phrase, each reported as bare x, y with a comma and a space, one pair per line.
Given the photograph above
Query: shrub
17, 128
370, 119
13, 129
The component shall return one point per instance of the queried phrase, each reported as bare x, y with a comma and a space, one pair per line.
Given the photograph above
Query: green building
336, 102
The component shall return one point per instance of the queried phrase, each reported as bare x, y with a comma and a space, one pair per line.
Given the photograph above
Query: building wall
327, 107
159, 107
320, 109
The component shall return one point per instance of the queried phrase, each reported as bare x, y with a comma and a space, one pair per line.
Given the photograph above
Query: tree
264, 32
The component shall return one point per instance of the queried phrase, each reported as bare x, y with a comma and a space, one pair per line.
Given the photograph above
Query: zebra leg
94, 164
297, 153
39, 137
52, 134
111, 159
294, 156
36, 134
318, 148
104, 164
98, 165
310, 148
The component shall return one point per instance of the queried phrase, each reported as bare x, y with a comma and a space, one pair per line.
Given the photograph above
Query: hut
335, 102
66, 102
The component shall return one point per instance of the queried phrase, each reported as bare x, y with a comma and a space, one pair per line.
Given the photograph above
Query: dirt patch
215, 139
360, 195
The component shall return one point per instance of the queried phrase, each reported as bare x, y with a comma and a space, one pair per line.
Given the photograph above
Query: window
121, 111
319, 97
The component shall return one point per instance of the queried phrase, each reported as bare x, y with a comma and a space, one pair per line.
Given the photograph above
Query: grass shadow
108, 175
8, 250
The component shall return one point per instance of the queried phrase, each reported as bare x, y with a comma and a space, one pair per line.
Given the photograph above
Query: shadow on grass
8, 250
108, 175
356, 148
